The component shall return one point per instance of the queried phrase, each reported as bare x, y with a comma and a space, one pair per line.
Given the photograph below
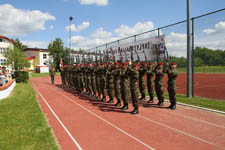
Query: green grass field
36, 75
205, 69
199, 101
22, 124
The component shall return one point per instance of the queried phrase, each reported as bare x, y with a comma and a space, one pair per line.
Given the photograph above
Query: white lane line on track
203, 121
187, 134
57, 118
109, 123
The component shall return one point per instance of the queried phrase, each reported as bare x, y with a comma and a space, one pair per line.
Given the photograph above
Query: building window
44, 56
2, 61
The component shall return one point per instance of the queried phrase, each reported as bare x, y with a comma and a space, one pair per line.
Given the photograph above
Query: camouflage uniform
93, 82
159, 85
134, 76
116, 76
110, 86
103, 82
124, 87
150, 82
98, 81
142, 71
172, 75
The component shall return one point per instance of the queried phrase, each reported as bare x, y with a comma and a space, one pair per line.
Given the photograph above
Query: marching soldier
172, 75
52, 74
103, 81
110, 86
124, 84
150, 81
134, 76
93, 82
116, 76
142, 71
159, 85
98, 81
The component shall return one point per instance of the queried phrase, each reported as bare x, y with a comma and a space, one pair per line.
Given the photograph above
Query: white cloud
79, 28
100, 33
15, 21
124, 30
34, 44
51, 27
97, 2
219, 27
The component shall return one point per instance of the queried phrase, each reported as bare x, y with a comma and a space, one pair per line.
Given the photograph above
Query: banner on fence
153, 48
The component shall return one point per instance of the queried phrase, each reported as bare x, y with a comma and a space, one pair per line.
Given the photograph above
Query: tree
56, 50
16, 58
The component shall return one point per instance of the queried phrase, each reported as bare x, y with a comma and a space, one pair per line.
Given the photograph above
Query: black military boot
172, 107
103, 99
160, 103
135, 111
125, 107
94, 95
118, 103
150, 101
110, 101
98, 97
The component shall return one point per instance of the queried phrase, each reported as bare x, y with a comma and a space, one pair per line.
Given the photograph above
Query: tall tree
16, 58
56, 50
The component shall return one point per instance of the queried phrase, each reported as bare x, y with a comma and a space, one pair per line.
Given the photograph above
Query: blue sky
36, 23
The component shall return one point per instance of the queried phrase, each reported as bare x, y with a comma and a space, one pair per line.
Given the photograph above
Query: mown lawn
205, 69
199, 101
22, 124
36, 75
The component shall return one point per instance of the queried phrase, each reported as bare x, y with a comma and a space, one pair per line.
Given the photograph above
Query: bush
21, 76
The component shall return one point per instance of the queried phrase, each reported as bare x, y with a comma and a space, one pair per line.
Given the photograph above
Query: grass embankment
36, 75
199, 101
205, 69
22, 124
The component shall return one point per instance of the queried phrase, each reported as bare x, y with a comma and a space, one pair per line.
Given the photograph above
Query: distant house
38, 57
5, 44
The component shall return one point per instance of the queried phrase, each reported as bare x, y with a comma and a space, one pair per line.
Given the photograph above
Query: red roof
10, 40
30, 58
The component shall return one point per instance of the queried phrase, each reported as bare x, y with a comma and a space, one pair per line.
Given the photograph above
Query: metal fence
208, 31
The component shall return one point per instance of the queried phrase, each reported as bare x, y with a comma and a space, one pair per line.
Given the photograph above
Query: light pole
188, 51
71, 18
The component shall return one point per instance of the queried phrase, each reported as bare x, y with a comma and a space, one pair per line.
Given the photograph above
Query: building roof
10, 40
30, 58
37, 49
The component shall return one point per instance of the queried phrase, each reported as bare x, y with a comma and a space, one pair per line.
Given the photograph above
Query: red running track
80, 122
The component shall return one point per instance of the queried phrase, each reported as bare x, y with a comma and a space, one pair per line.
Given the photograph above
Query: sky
95, 22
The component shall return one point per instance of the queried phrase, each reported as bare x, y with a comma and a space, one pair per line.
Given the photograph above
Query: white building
5, 44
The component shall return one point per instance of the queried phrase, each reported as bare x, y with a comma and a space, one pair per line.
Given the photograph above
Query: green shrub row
21, 76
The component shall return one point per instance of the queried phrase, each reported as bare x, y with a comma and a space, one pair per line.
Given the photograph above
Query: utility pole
188, 51
71, 18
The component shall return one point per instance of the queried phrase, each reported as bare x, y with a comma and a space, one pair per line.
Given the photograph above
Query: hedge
21, 76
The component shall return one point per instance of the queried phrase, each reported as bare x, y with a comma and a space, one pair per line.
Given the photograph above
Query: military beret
150, 63
160, 63
110, 63
174, 63
125, 63
117, 63
143, 63
102, 63
135, 65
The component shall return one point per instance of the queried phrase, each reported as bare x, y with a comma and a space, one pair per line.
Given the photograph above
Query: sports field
80, 122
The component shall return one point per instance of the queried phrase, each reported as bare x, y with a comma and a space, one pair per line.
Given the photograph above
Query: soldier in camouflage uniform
98, 81
150, 81
159, 85
93, 82
88, 80
116, 76
103, 81
134, 76
142, 70
172, 75
124, 85
110, 86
